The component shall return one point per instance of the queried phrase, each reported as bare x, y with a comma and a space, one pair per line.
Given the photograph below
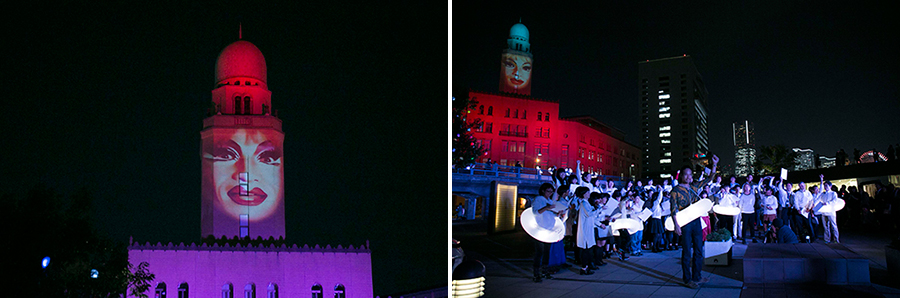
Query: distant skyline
823, 76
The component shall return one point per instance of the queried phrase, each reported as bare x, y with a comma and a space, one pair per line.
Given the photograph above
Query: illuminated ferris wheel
871, 155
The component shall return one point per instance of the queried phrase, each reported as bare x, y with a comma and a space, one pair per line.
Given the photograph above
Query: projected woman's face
246, 173
517, 72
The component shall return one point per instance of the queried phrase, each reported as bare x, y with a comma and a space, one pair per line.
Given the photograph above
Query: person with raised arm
683, 195
784, 199
801, 224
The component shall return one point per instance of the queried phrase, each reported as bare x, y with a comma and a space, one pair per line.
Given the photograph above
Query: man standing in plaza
683, 195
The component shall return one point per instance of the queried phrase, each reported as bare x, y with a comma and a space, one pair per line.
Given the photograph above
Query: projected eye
222, 154
509, 64
270, 157
526, 67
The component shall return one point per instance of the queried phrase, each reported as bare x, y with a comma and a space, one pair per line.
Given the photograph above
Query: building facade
673, 111
806, 159
744, 148
242, 196
827, 162
518, 129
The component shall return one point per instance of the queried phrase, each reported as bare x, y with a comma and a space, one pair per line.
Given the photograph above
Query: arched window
227, 291
539, 116
339, 291
507, 112
525, 113
160, 290
247, 110
272, 291
481, 110
490, 111
183, 290
547, 117
237, 105
250, 290
317, 291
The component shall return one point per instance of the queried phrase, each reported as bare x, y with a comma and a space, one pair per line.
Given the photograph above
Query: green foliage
719, 235
770, 159
465, 149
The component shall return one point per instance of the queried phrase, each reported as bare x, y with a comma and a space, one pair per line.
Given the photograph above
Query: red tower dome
241, 60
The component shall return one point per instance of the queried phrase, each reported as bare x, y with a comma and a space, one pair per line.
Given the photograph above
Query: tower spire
240, 31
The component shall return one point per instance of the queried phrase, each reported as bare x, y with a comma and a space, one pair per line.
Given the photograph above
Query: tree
770, 159
465, 149
63, 229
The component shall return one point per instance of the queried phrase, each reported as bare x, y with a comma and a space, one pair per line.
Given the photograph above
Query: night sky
820, 76
111, 98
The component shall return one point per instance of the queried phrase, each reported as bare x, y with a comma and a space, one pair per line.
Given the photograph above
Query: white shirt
828, 197
770, 202
729, 200
801, 199
783, 198
747, 203
543, 219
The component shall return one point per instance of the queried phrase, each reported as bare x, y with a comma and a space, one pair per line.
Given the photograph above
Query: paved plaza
508, 259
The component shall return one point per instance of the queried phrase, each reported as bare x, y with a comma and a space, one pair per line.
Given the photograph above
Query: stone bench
804, 263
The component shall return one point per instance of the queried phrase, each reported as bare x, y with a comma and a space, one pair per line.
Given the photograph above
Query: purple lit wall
295, 270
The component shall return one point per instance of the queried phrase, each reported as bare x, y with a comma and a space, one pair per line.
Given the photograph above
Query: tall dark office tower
673, 115
744, 148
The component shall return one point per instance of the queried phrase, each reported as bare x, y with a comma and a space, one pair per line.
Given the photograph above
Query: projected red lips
256, 196
243, 159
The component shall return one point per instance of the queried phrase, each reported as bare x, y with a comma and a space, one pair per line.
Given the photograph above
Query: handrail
495, 170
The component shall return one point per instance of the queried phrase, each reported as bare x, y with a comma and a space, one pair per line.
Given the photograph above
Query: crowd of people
770, 210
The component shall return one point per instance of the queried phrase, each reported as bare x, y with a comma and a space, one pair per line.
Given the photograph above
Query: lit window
250, 290
663, 103
227, 291
665, 134
245, 225
272, 291
665, 175
160, 290
661, 91
339, 291
665, 160
665, 115
664, 96
244, 182
183, 290
664, 109
665, 128
317, 291
666, 141
667, 154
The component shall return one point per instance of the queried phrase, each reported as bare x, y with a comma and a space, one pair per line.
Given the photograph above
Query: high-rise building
806, 159
744, 147
673, 109
827, 162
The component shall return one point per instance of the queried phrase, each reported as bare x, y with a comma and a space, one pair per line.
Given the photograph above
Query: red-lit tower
241, 153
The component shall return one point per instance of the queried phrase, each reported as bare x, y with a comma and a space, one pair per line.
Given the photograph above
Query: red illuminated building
520, 129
